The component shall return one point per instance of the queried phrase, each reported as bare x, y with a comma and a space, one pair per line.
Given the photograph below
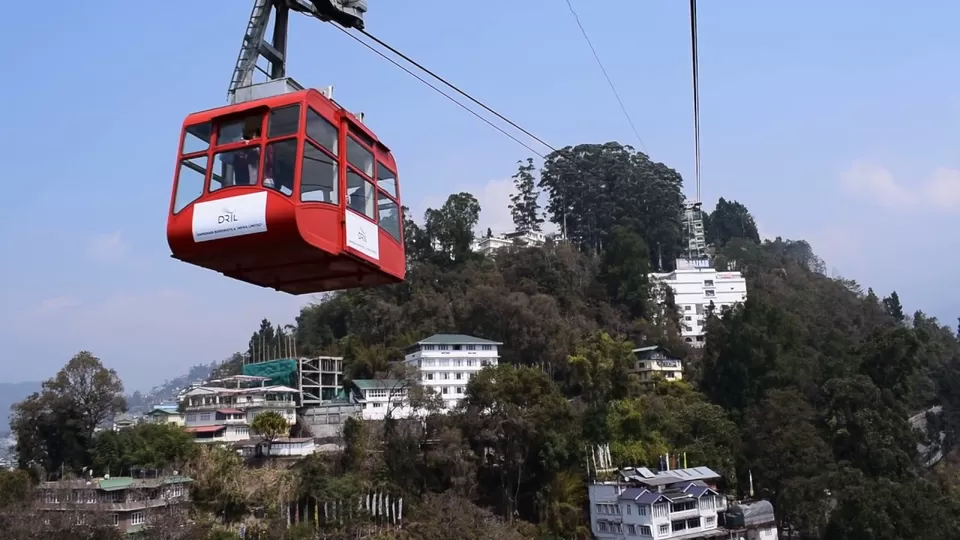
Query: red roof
205, 429
230, 411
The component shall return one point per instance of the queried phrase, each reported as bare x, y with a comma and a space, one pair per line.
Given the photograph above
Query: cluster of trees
807, 387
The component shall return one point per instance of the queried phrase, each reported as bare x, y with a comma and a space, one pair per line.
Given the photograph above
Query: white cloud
107, 247
943, 189
877, 184
494, 199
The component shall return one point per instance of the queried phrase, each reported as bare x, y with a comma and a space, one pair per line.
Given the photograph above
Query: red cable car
290, 192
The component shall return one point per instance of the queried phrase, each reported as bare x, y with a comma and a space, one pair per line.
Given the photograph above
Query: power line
455, 88
444, 94
696, 93
609, 81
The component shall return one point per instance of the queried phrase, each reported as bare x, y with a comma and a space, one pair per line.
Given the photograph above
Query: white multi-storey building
447, 362
666, 505
662, 505
379, 397
489, 244
695, 286
223, 409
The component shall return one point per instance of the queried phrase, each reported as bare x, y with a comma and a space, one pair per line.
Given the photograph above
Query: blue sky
835, 122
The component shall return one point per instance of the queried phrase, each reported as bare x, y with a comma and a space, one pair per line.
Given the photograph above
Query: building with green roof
126, 500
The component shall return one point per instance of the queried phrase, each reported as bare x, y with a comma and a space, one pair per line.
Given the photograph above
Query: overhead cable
456, 89
604, 70
446, 95
696, 93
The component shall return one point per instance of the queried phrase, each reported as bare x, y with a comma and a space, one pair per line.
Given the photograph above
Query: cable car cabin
290, 192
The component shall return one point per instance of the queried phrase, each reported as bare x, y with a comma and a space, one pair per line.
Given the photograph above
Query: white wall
446, 369
694, 289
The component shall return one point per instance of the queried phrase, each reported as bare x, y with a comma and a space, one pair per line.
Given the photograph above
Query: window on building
629, 510
688, 318
660, 510
687, 308
693, 523
137, 518
204, 417
486, 347
641, 509
116, 520
683, 506
645, 530
709, 521
678, 525
631, 529
445, 390
709, 293
708, 283
664, 529
599, 508
471, 347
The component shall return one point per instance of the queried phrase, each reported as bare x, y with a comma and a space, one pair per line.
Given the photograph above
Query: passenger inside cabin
247, 161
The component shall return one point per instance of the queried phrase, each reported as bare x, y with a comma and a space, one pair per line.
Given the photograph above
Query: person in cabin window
268, 167
247, 160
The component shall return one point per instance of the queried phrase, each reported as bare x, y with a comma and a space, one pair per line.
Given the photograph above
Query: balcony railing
243, 405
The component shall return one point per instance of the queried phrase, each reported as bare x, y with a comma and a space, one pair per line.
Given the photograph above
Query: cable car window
284, 121
386, 179
197, 138
359, 157
322, 131
389, 215
279, 164
360, 195
240, 129
318, 176
235, 168
189, 182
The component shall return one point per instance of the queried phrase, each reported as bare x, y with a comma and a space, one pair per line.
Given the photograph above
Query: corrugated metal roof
113, 484
457, 339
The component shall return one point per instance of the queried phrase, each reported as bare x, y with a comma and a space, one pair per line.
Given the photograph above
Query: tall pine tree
524, 207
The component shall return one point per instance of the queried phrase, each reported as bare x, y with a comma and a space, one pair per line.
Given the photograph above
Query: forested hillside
807, 387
